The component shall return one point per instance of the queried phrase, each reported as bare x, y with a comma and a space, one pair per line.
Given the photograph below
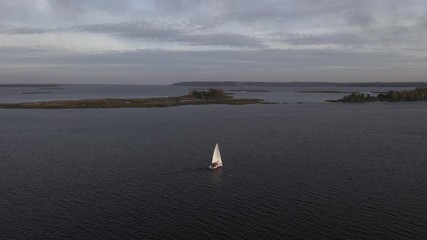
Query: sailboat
216, 158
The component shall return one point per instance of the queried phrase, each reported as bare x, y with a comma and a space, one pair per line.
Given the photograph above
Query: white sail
216, 155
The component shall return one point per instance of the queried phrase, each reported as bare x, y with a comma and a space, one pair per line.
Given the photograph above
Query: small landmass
419, 94
42, 85
212, 96
35, 92
234, 90
248, 90
52, 88
321, 91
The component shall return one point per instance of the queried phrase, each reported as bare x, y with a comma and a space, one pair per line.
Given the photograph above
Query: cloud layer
130, 41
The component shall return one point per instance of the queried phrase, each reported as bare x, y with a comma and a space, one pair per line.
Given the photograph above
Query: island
418, 94
35, 92
321, 91
249, 90
212, 96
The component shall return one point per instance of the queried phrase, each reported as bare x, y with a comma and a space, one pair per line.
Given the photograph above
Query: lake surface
310, 170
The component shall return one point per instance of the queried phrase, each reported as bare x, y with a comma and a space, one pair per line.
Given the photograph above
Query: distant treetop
419, 94
211, 93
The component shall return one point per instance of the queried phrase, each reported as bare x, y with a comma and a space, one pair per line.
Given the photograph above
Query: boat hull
215, 166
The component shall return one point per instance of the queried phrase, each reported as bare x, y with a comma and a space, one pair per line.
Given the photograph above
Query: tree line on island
211, 93
418, 94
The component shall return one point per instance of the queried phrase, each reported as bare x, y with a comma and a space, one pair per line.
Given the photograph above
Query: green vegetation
213, 96
211, 93
359, 97
419, 94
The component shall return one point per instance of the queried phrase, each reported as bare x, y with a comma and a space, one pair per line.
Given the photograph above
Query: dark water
291, 171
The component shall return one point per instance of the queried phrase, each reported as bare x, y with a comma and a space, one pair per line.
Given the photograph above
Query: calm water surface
291, 171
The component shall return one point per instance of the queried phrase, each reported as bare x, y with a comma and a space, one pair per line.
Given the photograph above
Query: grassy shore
132, 102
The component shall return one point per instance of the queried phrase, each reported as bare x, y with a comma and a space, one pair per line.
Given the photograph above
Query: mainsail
216, 158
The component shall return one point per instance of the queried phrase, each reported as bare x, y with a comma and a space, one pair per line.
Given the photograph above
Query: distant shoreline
233, 84
300, 84
36, 85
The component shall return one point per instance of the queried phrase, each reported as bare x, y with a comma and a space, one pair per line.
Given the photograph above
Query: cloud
173, 33
321, 39
150, 31
223, 38
236, 60
88, 5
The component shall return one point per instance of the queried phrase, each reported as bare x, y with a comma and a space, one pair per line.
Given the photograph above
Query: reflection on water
216, 177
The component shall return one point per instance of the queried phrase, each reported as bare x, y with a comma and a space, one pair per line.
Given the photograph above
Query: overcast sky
165, 41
